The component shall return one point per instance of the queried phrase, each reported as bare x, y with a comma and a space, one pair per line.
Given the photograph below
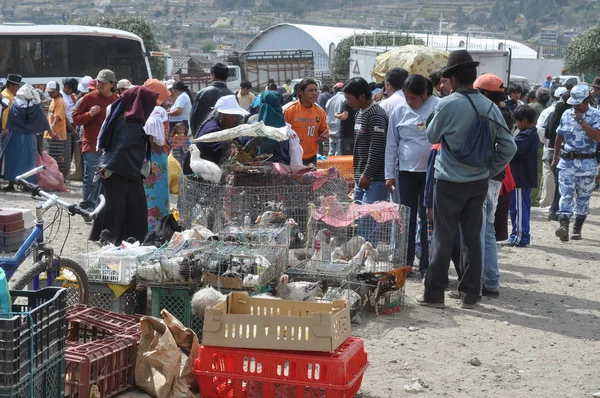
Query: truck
363, 60
258, 67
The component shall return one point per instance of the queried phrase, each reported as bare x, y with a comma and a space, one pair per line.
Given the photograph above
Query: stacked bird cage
223, 265
347, 240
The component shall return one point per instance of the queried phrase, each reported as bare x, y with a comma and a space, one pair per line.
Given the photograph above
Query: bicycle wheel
72, 277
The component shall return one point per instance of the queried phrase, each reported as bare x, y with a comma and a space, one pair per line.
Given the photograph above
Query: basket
247, 322
107, 363
227, 372
117, 266
48, 382
176, 300
21, 342
130, 302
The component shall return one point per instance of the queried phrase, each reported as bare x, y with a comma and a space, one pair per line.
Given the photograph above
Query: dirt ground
540, 338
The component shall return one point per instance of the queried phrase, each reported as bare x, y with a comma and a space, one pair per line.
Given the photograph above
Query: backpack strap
471, 102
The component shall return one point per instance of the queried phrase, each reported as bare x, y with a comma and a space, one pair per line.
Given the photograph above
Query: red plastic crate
238, 373
100, 321
109, 364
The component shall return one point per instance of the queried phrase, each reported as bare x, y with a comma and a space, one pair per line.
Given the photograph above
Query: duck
206, 169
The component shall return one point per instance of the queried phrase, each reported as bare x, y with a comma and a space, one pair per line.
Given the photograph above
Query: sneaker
421, 301
507, 243
454, 294
466, 306
490, 292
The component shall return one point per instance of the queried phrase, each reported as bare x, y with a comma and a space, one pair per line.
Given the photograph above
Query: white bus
41, 53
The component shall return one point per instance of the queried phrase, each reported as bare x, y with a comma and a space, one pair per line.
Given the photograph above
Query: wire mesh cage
216, 206
372, 237
233, 266
269, 234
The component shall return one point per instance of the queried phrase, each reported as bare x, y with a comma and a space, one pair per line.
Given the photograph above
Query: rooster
323, 244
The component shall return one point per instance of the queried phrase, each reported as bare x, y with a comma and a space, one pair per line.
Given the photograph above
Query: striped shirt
370, 132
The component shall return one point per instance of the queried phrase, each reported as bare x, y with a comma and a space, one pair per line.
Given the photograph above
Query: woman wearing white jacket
406, 155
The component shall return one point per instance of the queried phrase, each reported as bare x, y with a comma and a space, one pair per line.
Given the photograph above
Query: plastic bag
50, 179
174, 173
296, 151
165, 357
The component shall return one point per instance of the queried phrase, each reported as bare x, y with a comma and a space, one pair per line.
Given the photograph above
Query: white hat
83, 84
169, 83
124, 83
52, 86
560, 91
228, 105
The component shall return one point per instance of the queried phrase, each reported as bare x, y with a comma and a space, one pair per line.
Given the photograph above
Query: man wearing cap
13, 83
335, 111
208, 96
123, 85
575, 155
461, 189
547, 185
90, 114
547, 83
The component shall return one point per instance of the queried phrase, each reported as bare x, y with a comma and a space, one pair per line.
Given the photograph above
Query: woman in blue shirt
406, 155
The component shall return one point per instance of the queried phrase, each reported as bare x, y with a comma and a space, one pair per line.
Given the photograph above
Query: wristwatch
580, 120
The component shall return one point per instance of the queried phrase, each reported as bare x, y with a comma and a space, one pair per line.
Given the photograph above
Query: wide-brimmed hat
458, 59
15, 79
228, 105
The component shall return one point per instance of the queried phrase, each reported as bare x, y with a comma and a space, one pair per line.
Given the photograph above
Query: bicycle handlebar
54, 199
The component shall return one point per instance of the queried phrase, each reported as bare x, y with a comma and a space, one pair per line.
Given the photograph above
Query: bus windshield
49, 56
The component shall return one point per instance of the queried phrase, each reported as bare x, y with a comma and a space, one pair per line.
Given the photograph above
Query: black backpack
478, 149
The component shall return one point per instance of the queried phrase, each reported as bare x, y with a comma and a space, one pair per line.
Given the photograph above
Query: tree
341, 59
136, 25
583, 54
208, 47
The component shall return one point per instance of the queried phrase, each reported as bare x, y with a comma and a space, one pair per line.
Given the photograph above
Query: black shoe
562, 232
552, 217
9, 188
490, 292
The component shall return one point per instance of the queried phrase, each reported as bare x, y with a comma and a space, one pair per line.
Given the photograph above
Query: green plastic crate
176, 300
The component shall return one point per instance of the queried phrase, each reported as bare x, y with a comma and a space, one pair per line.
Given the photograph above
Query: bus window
30, 58
6, 56
56, 56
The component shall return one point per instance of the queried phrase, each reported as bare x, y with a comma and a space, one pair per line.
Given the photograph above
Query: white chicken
366, 258
323, 244
299, 291
205, 298
250, 281
351, 248
337, 256
271, 217
354, 300
204, 168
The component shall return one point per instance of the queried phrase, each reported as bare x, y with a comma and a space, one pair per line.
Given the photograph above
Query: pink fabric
308, 175
337, 214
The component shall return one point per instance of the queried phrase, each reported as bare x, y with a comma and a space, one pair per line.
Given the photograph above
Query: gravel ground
540, 338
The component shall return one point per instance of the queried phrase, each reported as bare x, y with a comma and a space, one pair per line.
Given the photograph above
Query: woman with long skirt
125, 145
156, 184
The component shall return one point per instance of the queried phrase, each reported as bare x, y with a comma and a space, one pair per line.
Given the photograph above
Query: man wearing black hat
13, 83
461, 181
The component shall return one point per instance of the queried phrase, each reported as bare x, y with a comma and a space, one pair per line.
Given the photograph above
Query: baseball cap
489, 82
93, 85
124, 83
52, 86
578, 94
560, 91
228, 105
169, 83
106, 75
549, 77
338, 85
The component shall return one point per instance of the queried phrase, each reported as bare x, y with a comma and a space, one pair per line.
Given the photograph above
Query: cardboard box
241, 321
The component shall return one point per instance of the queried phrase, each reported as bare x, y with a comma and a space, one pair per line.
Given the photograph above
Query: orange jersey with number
308, 123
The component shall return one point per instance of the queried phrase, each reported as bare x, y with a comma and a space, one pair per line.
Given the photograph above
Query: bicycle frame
35, 243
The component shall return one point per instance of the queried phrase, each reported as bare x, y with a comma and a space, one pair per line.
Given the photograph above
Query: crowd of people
460, 150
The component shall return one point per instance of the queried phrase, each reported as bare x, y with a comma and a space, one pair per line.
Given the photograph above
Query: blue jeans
377, 192
335, 149
489, 270
90, 188
412, 188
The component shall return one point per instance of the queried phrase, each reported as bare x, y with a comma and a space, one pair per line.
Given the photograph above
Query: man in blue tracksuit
524, 169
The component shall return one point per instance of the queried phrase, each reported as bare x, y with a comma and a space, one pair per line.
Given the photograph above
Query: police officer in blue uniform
578, 134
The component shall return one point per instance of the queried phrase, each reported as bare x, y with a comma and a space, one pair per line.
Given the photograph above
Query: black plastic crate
48, 382
45, 327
